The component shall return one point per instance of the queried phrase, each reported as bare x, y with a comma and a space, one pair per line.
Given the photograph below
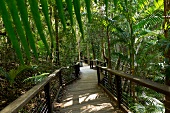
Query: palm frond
24, 17
60, 8
88, 9
37, 20
78, 15
10, 30
69, 5
14, 12
45, 11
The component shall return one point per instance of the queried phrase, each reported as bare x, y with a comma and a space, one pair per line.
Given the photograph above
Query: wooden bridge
85, 96
84, 90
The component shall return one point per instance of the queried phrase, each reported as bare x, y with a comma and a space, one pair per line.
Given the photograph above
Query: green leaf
126, 3
8, 26
95, 1
88, 9
14, 12
37, 78
60, 8
69, 6
78, 16
24, 17
37, 20
45, 11
106, 3
167, 71
115, 3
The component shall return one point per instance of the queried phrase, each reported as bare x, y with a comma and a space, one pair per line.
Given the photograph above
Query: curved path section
84, 96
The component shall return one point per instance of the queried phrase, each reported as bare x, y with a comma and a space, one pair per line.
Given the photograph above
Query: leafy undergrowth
11, 91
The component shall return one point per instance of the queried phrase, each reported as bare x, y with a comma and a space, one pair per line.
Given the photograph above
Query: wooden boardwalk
84, 96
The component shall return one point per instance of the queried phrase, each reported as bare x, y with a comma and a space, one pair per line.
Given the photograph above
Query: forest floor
10, 92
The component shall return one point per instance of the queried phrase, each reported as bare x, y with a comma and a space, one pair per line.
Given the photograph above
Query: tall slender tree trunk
88, 54
57, 36
94, 54
108, 43
52, 46
167, 81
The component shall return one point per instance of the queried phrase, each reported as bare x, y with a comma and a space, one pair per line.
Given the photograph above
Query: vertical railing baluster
60, 78
48, 98
98, 74
97, 63
119, 90
167, 104
77, 69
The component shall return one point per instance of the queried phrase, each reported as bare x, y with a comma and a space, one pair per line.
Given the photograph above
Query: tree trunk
57, 37
109, 53
167, 81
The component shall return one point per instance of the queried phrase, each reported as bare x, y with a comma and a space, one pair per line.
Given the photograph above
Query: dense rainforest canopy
41, 35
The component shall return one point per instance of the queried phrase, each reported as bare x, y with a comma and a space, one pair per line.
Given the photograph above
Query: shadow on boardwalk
84, 96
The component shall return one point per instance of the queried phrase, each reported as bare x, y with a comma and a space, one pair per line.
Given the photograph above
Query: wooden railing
39, 99
96, 62
118, 85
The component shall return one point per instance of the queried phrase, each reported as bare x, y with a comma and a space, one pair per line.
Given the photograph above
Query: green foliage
14, 12
152, 105
88, 9
36, 79
46, 14
37, 20
59, 4
78, 15
8, 26
24, 16
13, 73
69, 5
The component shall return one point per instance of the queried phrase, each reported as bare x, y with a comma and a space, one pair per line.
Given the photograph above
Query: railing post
118, 90
48, 98
60, 78
97, 63
104, 64
77, 69
167, 104
98, 74
91, 64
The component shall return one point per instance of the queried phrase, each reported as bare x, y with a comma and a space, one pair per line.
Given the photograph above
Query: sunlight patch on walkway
95, 108
87, 98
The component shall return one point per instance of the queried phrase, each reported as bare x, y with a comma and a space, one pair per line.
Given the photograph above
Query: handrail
16, 105
161, 88
117, 85
97, 62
